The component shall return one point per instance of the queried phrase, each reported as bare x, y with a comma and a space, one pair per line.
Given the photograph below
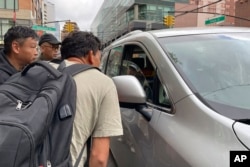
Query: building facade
19, 12
117, 17
49, 20
203, 10
242, 8
183, 19
48, 14
37, 14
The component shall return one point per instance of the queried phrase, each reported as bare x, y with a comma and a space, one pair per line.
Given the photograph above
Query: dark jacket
6, 69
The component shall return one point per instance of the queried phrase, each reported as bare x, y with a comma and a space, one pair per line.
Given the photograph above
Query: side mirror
129, 90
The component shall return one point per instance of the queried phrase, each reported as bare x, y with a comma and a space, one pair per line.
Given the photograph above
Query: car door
140, 145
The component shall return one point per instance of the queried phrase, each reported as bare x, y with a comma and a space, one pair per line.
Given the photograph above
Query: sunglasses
56, 47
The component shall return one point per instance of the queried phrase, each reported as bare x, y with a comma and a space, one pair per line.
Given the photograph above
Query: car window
137, 63
114, 61
163, 98
215, 66
104, 59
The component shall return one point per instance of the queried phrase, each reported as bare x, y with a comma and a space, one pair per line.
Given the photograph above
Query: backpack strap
88, 152
86, 164
43, 64
61, 66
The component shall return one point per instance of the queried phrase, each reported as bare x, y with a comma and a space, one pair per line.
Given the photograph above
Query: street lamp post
56, 21
14, 13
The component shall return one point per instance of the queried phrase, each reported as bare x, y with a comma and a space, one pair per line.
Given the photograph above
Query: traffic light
166, 20
72, 27
171, 20
68, 27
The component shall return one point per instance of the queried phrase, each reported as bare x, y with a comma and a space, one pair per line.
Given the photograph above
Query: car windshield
216, 66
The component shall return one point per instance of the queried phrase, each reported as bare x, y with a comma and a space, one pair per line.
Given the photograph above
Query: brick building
242, 8
204, 12
19, 12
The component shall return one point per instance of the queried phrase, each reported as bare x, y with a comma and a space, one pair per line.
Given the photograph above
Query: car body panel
207, 131
242, 131
189, 132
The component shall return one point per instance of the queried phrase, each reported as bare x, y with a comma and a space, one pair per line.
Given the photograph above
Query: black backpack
37, 109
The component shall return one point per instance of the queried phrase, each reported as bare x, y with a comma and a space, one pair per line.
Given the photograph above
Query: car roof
180, 32
197, 30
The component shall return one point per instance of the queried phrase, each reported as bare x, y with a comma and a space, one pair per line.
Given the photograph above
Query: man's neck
14, 63
77, 60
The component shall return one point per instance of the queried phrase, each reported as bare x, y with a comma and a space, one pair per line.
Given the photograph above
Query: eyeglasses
56, 47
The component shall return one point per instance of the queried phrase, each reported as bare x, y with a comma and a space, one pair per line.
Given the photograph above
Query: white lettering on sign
240, 158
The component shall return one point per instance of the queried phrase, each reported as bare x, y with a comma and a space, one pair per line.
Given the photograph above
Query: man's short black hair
79, 43
18, 33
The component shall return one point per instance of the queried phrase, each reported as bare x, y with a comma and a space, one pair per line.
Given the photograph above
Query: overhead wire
196, 9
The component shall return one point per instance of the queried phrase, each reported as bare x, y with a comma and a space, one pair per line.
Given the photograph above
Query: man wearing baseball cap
49, 47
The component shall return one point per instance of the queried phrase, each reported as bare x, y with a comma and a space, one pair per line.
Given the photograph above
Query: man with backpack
20, 49
97, 107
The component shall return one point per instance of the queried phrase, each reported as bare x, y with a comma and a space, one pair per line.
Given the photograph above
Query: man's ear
90, 57
15, 47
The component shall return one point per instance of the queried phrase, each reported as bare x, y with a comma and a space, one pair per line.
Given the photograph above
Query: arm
99, 152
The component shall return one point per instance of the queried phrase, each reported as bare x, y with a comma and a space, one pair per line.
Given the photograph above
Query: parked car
184, 96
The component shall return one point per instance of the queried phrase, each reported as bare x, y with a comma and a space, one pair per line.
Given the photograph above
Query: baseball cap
48, 38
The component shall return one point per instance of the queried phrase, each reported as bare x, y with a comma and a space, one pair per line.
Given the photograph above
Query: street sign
215, 20
38, 27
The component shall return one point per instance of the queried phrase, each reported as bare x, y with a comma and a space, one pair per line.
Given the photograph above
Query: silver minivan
184, 96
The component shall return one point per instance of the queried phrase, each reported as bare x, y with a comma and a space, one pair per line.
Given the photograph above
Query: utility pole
14, 13
56, 21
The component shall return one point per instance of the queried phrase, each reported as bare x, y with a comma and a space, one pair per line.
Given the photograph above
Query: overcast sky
80, 11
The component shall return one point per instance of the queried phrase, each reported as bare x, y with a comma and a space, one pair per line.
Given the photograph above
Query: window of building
9, 4
166, 9
130, 14
5, 24
153, 12
151, 7
142, 12
2, 4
